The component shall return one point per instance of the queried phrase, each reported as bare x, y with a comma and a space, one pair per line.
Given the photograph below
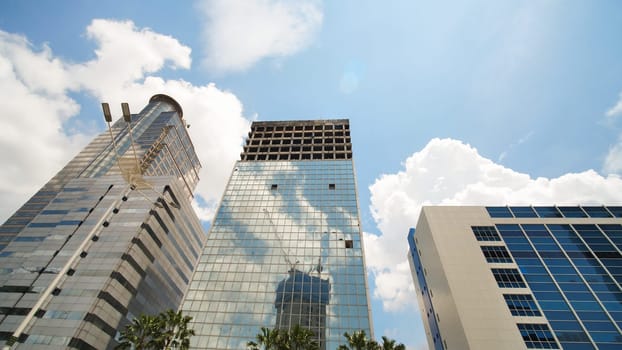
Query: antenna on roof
130, 169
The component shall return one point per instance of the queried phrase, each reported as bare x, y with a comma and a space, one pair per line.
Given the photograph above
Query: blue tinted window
601, 326
521, 305
572, 336
508, 278
592, 315
565, 326
499, 212
614, 232
554, 305
523, 212
496, 254
616, 211
542, 287
29, 239
485, 233
547, 212
548, 295
70, 222
558, 315
597, 212
537, 336
54, 212
43, 224
578, 346
572, 212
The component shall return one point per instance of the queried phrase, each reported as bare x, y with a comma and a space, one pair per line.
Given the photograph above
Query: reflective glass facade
89, 252
557, 269
284, 249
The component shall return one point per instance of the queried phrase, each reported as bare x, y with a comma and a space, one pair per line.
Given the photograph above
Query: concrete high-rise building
285, 246
110, 237
519, 277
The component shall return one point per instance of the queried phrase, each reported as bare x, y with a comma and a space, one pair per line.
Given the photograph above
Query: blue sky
461, 102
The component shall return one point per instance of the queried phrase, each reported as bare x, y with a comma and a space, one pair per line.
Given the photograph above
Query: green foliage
168, 330
359, 341
389, 344
298, 338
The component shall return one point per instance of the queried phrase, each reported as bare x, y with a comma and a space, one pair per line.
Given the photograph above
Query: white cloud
449, 172
35, 87
124, 55
34, 107
613, 160
239, 33
616, 110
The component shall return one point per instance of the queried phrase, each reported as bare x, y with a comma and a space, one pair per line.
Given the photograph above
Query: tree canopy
299, 338
168, 330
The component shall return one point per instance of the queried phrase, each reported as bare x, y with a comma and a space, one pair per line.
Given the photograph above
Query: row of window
300, 125
297, 141
535, 335
573, 283
555, 212
298, 156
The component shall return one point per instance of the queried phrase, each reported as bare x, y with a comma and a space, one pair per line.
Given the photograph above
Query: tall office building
519, 277
111, 236
285, 245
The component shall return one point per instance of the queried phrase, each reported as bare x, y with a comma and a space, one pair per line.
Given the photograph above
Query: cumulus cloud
34, 107
616, 110
36, 88
449, 172
125, 54
613, 160
239, 33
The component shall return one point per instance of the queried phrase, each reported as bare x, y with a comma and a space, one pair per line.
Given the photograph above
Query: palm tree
270, 339
302, 339
358, 341
390, 344
174, 332
168, 330
297, 338
140, 334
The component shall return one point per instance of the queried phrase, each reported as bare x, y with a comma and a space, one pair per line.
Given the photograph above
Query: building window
499, 212
496, 254
485, 233
548, 212
508, 278
274, 187
537, 336
349, 243
521, 305
523, 212
597, 212
616, 211
331, 186
572, 212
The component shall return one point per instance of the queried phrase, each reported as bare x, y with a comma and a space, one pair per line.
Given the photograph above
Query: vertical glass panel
616, 211
597, 212
572, 212
499, 212
523, 212
548, 212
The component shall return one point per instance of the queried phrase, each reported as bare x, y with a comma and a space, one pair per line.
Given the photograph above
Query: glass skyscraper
285, 245
110, 237
519, 277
